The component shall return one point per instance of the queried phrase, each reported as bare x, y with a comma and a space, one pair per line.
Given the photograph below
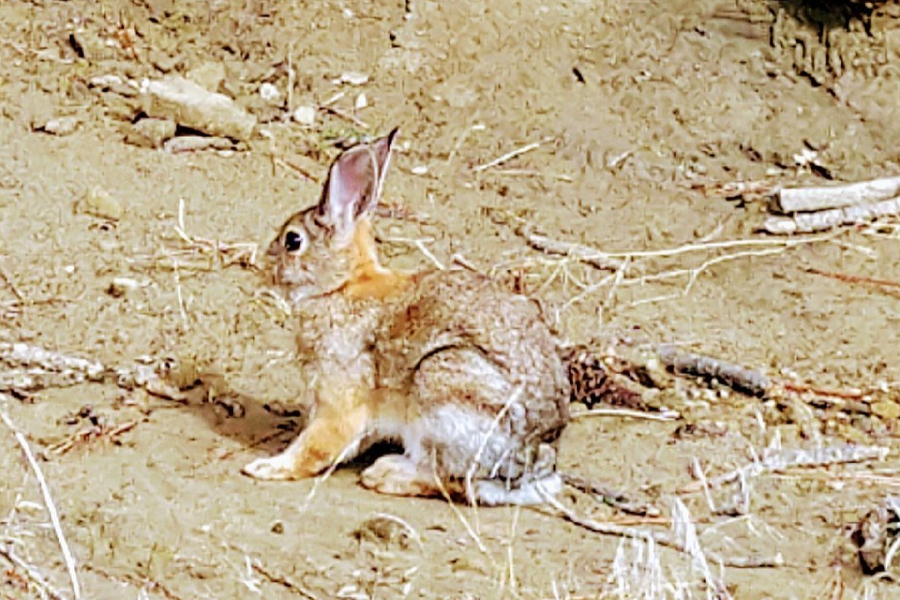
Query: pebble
100, 203
305, 115
354, 78
269, 92
60, 126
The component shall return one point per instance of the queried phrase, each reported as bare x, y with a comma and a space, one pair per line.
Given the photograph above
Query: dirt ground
638, 113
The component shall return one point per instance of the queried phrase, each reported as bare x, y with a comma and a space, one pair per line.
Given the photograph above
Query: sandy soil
641, 111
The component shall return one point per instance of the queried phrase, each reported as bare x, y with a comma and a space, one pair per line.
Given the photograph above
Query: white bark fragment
812, 199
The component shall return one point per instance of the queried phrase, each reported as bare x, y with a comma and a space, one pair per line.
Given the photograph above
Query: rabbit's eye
294, 241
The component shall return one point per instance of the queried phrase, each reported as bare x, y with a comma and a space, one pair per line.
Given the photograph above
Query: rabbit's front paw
271, 469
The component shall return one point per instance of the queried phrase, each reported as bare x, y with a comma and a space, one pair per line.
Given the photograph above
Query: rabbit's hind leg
472, 431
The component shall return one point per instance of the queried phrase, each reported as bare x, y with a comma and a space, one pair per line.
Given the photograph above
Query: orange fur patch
370, 279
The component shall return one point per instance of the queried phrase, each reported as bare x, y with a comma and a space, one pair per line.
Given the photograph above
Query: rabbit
466, 376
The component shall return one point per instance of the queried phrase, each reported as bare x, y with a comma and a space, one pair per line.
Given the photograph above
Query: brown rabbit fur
465, 375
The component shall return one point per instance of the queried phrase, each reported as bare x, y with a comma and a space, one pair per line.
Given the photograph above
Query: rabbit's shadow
264, 428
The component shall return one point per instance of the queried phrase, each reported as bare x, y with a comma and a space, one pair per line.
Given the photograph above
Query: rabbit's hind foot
530, 492
399, 475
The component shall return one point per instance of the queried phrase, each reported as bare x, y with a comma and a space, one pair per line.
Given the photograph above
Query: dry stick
783, 459
829, 219
48, 501
31, 572
749, 381
510, 155
663, 539
28, 355
811, 199
595, 258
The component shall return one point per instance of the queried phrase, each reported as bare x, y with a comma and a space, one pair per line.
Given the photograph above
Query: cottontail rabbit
465, 375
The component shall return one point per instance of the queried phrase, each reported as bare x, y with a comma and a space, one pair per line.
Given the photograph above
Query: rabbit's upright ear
354, 183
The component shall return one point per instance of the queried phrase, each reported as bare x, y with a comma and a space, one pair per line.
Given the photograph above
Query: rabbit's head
319, 249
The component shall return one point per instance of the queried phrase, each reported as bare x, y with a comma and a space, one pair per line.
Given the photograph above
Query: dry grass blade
229, 253
511, 155
627, 413
51, 506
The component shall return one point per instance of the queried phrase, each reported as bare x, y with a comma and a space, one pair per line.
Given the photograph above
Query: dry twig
611, 497
512, 154
658, 537
91, 433
748, 381
586, 254
855, 278
784, 459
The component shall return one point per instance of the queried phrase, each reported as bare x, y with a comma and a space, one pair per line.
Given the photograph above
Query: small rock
305, 115
105, 81
354, 78
193, 106
419, 170
361, 101
196, 143
269, 92
100, 203
115, 84
120, 286
60, 126
208, 75
150, 133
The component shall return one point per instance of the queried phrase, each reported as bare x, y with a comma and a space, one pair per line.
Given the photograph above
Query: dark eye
293, 241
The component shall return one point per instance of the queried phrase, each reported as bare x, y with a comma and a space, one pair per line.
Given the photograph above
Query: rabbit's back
460, 309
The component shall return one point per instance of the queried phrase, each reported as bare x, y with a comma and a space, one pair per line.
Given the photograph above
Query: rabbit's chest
335, 333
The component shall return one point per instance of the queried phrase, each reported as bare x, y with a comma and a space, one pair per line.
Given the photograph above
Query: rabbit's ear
355, 182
